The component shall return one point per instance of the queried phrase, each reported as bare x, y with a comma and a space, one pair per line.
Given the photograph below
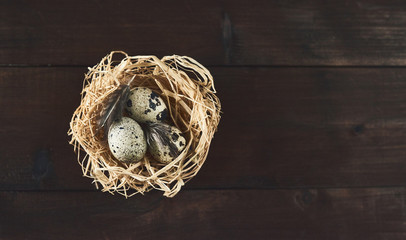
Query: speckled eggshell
161, 154
144, 105
127, 140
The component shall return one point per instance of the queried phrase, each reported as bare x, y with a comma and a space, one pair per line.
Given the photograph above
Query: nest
188, 91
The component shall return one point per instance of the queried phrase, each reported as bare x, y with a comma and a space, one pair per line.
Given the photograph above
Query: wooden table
311, 144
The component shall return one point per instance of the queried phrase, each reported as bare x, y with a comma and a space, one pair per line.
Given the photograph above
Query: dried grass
187, 89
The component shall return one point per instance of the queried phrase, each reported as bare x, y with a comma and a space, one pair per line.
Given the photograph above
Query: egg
144, 105
161, 153
126, 140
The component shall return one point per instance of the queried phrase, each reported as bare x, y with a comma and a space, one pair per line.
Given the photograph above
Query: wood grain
206, 214
316, 32
281, 128
311, 144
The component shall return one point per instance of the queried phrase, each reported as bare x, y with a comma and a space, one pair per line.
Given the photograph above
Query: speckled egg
161, 153
144, 105
127, 140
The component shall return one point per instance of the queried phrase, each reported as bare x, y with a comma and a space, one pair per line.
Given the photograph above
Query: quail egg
144, 105
162, 153
126, 140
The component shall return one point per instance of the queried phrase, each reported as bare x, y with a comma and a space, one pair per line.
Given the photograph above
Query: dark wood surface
207, 214
311, 144
280, 127
262, 32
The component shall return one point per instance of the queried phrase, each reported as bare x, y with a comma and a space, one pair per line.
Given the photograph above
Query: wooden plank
315, 32
281, 127
206, 214
37, 105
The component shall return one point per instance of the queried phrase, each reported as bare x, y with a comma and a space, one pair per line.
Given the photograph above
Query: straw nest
186, 87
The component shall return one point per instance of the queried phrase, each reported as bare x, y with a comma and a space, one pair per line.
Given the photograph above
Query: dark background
311, 144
